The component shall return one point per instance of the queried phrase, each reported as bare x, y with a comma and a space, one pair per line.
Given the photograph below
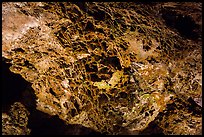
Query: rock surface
16, 121
111, 67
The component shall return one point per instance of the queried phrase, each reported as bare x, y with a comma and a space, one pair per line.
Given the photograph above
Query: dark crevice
182, 23
13, 86
152, 129
42, 124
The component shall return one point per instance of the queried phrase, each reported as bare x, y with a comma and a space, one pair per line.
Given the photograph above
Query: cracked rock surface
115, 68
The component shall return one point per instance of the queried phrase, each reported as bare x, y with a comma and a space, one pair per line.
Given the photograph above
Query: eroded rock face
107, 66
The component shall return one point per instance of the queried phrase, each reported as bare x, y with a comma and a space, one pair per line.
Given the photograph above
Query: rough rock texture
16, 121
111, 67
